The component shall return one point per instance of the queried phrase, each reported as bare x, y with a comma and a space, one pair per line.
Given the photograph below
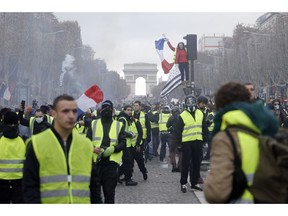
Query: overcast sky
119, 35
120, 38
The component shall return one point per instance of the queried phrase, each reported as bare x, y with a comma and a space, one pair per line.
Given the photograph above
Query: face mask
106, 112
39, 119
276, 107
191, 108
10, 131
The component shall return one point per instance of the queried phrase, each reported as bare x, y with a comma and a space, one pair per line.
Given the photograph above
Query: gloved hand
107, 152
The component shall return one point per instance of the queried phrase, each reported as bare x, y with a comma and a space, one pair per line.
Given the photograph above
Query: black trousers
191, 161
126, 167
184, 70
139, 158
107, 174
11, 191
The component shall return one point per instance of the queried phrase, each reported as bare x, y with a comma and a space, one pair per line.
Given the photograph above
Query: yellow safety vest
31, 124
128, 130
49, 119
131, 141
134, 131
81, 128
143, 124
192, 127
211, 127
33, 119
249, 150
163, 119
12, 156
97, 136
56, 185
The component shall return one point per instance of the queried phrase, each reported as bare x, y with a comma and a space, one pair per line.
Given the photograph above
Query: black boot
131, 182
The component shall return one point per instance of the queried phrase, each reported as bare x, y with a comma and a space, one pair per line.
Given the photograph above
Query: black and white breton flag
174, 80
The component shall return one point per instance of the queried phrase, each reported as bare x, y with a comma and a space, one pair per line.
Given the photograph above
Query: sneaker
145, 176
196, 188
184, 188
131, 182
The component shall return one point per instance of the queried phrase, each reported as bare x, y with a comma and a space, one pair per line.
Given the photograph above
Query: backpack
270, 184
239, 183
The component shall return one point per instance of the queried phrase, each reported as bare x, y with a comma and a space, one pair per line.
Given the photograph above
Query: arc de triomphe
136, 70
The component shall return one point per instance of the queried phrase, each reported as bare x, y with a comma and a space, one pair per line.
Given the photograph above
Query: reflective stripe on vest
143, 124
12, 154
192, 128
97, 136
31, 124
56, 185
163, 119
49, 119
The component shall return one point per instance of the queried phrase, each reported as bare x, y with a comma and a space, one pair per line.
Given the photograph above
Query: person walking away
235, 116
12, 156
173, 150
58, 165
164, 133
108, 138
154, 118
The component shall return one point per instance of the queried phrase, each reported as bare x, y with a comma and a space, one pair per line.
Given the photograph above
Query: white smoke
67, 67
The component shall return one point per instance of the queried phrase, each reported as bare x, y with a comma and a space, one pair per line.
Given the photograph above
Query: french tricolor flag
91, 97
159, 46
